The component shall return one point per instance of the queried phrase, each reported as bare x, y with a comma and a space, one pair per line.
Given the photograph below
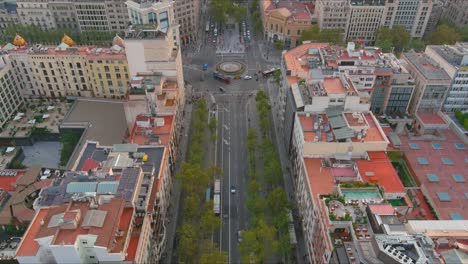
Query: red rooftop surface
140, 135
321, 180
39, 227
8, 183
333, 85
294, 57
382, 209
298, 10
431, 119
378, 169
90, 164
444, 173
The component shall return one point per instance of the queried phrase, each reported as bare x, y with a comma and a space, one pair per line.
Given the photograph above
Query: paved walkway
288, 182
175, 195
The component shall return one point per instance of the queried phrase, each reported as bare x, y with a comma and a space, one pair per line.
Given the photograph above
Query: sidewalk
175, 195
288, 182
267, 48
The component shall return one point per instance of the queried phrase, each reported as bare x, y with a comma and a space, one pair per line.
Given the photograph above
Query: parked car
247, 77
239, 236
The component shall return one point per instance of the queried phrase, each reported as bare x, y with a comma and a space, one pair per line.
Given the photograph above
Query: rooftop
426, 66
382, 209
434, 164
321, 179
51, 222
338, 127
296, 58
91, 52
107, 128
378, 169
431, 119
289, 8
439, 228
453, 54
150, 130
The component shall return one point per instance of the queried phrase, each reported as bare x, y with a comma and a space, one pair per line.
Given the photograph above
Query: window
458, 177
432, 177
152, 18
443, 197
447, 161
423, 161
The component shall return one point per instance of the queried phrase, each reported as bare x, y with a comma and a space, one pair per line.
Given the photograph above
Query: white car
247, 77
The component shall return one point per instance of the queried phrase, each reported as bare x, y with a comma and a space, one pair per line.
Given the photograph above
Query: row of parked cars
10, 244
245, 30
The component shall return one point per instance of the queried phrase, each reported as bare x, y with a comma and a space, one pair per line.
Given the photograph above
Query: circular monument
230, 67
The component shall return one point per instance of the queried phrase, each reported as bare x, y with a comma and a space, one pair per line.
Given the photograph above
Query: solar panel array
127, 183
10, 173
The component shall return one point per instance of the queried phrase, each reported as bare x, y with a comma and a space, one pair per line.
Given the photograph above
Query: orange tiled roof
320, 179
105, 235
292, 56
384, 173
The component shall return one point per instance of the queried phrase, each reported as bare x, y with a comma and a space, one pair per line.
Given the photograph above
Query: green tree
212, 254
396, 38
251, 149
444, 34
69, 139
208, 221
278, 200
239, 13
218, 10
189, 246
258, 243
279, 44
417, 44
314, 34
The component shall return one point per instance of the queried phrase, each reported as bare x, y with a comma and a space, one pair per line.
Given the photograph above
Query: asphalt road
236, 112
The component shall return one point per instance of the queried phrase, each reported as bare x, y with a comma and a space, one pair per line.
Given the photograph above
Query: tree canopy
445, 34
333, 36
397, 38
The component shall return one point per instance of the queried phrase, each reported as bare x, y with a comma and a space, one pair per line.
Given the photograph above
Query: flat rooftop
439, 167
321, 179
378, 169
358, 127
152, 131
108, 127
431, 119
426, 66
296, 58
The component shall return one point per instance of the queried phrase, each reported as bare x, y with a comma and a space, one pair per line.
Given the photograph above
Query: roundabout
230, 67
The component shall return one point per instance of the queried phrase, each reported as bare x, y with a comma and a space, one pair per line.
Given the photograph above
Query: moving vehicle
221, 77
247, 77
239, 236
207, 29
217, 197
269, 72
233, 189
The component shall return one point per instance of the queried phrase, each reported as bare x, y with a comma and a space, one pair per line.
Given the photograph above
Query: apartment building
413, 15
365, 18
68, 70
151, 50
120, 201
187, 15
454, 60
432, 83
10, 97
438, 9
8, 15
393, 87
332, 14
285, 20
108, 15
457, 12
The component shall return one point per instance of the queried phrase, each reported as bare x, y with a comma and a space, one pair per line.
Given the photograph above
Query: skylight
458, 177
443, 196
447, 161
456, 216
459, 146
432, 177
436, 146
423, 161
413, 145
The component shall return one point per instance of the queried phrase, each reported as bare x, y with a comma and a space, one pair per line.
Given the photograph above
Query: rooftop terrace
439, 167
426, 66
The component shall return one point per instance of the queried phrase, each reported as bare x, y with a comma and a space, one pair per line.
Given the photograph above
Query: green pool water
360, 194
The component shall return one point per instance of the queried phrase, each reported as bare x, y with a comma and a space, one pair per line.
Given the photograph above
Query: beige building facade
187, 15
10, 97
457, 12
82, 16
285, 21
54, 72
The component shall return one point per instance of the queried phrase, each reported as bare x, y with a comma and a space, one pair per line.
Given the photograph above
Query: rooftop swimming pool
359, 194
